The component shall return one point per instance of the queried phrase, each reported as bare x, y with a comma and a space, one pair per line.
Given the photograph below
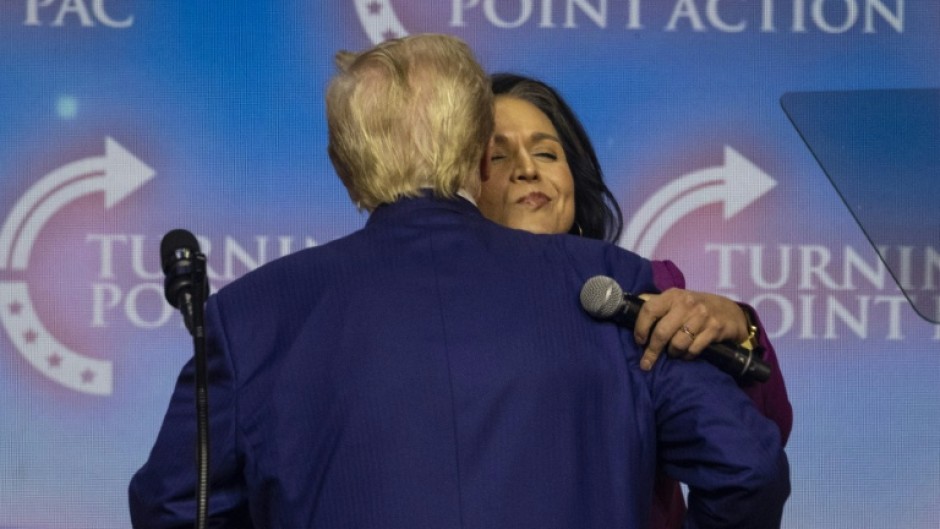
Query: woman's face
528, 183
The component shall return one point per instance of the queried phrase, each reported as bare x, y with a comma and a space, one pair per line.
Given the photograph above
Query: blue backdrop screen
123, 119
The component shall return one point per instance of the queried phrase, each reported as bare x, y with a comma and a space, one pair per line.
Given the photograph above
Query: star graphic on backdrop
374, 8
15, 307
389, 35
88, 376
54, 360
30, 336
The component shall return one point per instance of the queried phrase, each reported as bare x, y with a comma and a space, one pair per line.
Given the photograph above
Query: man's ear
485, 165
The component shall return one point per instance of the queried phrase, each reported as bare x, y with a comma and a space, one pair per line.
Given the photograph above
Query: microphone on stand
185, 269
187, 289
604, 299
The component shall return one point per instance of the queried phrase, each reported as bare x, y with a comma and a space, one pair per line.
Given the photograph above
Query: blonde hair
408, 114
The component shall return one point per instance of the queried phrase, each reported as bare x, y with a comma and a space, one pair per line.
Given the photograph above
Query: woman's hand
684, 322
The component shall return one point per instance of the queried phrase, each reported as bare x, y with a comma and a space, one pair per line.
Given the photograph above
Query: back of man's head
408, 114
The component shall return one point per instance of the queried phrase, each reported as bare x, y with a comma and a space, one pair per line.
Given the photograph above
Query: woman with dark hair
597, 214
542, 175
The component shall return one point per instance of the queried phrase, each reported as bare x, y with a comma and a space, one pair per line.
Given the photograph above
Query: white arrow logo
117, 174
737, 184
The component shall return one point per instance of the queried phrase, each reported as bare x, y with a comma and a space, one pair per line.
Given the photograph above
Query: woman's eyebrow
501, 139
539, 136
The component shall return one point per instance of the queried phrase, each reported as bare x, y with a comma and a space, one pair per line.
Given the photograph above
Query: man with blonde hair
427, 94
434, 370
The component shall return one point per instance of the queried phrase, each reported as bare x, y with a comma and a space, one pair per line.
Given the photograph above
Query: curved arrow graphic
737, 184
43, 351
117, 174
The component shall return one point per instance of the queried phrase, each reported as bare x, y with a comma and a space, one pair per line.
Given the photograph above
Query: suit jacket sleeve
708, 433
770, 397
710, 436
162, 492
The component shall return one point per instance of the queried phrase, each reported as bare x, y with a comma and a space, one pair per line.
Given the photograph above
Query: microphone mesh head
601, 297
174, 241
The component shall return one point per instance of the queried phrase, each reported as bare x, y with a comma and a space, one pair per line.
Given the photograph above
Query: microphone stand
186, 287
198, 330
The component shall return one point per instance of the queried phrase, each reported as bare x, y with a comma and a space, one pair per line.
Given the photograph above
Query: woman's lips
534, 200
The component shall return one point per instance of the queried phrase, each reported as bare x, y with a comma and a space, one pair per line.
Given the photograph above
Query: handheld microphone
603, 299
185, 269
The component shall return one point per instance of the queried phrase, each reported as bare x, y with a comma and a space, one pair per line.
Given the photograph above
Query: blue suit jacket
434, 370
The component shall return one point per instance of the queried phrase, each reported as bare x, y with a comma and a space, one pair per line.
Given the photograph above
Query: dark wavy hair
597, 214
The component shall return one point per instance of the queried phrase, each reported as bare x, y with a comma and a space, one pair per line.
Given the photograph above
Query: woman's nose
525, 169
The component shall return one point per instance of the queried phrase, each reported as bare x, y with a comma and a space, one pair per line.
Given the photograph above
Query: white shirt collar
466, 194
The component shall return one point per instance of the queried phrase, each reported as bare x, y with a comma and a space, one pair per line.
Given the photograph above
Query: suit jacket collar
406, 208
